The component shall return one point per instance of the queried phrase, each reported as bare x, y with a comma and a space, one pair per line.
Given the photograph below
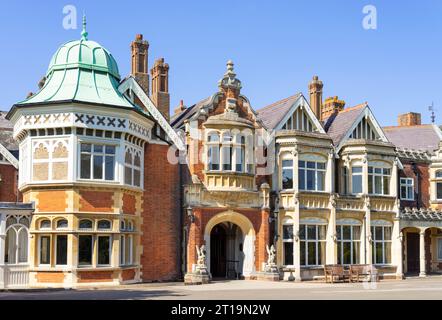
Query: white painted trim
365, 113
131, 84
301, 101
9, 156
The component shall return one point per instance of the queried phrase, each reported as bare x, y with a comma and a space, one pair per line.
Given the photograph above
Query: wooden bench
335, 272
363, 272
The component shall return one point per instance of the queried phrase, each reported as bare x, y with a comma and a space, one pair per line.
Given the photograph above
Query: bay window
126, 250
439, 185
85, 249
312, 175
132, 167
287, 239
213, 152
356, 180
381, 237
240, 153
62, 250
349, 243
287, 174
312, 244
97, 162
45, 250
407, 189
227, 152
104, 250
379, 181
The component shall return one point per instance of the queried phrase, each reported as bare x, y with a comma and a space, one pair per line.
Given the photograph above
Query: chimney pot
409, 119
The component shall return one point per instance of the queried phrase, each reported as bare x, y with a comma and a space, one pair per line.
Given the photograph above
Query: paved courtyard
413, 288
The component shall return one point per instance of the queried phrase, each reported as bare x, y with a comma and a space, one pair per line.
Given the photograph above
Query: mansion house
100, 185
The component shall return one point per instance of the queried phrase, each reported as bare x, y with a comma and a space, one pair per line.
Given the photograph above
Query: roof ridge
278, 102
354, 107
414, 126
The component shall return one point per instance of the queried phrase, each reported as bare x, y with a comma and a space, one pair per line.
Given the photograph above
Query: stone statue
272, 255
201, 253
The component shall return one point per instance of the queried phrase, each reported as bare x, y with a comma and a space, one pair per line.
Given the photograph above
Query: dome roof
83, 54
83, 71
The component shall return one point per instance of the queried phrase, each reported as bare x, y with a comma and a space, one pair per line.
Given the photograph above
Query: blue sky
277, 46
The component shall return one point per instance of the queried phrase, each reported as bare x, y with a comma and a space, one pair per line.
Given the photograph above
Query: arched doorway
230, 243
226, 247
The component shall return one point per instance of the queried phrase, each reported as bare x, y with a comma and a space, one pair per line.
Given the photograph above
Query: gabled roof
133, 85
420, 137
339, 125
273, 114
177, 120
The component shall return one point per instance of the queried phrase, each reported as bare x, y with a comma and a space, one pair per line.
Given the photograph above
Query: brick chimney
315, 91
409, 119
331, 106
160, 87
180, 108
139, 70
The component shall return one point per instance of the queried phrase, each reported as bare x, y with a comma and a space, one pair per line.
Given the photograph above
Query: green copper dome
84, 54
81, 71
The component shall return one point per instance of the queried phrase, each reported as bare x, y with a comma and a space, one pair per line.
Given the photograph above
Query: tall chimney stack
315, 91
139, 70
409, 119
160, 87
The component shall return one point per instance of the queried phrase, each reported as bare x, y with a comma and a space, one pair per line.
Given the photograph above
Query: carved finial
84, 33
229, 80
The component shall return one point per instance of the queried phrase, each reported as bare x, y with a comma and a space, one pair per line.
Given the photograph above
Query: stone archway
248, 238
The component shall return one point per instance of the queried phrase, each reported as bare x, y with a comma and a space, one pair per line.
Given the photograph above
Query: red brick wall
423, 184
95, 276
129, 204
8, 185
258, 218
96, 201
52, 201
160, 260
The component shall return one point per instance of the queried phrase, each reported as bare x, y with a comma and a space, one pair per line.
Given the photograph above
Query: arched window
62, 224
104, 225
16, 245
85, 224
132, 167
45, 224
213, 148
122, 225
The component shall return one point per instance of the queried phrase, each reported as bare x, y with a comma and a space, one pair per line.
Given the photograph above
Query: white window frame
287, 224
39, 250
132, 167
383, 242
352, 241
56, 250
103, 154
317, 241
291, 168
438, 177
404, 183
92, 250
316, 170
17, 227
97, 240
373, 176
361, 174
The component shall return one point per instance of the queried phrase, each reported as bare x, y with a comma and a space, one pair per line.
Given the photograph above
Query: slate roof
421, 137
6, 133
177, 120
338, 125
272, 115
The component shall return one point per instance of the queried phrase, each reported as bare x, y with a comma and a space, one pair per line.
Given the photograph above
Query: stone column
397, 249
367, 243
296, 244
423, 272
394, 178
331, 247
